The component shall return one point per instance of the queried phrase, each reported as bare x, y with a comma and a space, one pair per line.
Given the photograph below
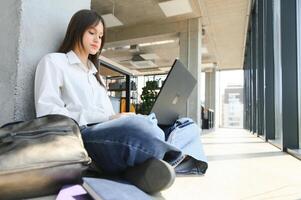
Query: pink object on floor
72, 192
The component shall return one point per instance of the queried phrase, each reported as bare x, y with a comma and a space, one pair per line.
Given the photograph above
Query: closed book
106, 189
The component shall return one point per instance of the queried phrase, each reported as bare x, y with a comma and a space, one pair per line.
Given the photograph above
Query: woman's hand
121, 115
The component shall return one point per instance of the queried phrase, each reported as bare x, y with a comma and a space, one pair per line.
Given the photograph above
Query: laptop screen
172, 98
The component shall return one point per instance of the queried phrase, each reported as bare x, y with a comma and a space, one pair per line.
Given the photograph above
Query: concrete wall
9, 15
191, 56
32, 29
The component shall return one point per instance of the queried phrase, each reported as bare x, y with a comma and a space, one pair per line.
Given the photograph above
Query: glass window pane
299, 65
231, 98
278, 74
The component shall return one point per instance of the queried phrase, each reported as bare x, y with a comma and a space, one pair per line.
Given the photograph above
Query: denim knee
124, 142
141, 124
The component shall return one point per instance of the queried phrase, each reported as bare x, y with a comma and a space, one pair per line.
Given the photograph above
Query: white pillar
30, 29
210, 90
190, 55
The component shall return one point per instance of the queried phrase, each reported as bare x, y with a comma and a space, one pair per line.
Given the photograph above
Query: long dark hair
79, 23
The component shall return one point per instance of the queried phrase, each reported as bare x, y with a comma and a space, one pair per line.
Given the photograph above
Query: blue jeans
117, 144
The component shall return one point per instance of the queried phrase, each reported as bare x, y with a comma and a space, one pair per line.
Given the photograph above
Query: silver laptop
172, 98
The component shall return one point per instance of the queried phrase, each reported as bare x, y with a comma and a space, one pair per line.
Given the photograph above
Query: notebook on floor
172, 99
105, 189
73, 192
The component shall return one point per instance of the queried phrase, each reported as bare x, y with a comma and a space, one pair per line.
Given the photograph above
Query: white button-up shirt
63, 85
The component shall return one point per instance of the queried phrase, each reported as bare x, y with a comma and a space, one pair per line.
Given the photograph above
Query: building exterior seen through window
231, 99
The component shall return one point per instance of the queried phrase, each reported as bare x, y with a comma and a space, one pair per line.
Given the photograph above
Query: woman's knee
136, 130
141, 126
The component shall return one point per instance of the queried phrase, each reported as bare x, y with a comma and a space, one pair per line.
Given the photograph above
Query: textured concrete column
210, 90
30, 29
190, 55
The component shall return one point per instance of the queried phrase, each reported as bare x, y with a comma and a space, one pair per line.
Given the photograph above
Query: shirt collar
73, 59
92, 69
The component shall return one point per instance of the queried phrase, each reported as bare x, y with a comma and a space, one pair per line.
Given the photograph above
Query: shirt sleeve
107, 99
110, 105
47, 92
94, 116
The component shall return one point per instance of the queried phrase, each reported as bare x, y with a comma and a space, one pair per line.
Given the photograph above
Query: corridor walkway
241, 166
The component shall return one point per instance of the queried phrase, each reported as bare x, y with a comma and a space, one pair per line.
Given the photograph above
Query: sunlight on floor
241, 166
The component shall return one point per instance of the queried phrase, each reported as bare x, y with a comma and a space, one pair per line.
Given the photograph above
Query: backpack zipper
8, 138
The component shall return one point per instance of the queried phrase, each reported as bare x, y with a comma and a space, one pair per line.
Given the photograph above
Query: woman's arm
48, 81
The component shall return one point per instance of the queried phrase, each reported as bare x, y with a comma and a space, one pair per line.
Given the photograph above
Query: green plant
148, 97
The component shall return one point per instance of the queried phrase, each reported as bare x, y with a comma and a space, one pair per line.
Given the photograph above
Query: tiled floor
241, 166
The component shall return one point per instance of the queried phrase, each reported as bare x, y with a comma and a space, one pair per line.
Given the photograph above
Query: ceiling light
175, 7
111, 20
143, 64
149, 56
156, 43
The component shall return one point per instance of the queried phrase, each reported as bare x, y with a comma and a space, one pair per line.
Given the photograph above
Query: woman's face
92, 39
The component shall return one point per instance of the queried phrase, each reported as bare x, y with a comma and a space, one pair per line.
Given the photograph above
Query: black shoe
151, 176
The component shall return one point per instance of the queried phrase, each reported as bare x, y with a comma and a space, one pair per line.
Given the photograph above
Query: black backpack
38, 157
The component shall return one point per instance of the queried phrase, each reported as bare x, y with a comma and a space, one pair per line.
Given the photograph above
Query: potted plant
148, 97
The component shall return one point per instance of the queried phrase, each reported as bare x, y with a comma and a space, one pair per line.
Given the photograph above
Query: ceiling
147, 32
